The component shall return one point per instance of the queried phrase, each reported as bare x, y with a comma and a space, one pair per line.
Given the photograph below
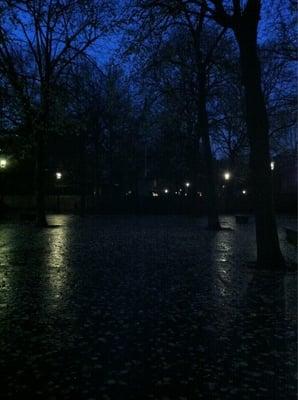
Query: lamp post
58, 179
227, 178
187, 185
3, 165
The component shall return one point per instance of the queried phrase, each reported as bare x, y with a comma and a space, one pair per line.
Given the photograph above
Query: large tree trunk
268, 249
40, 180
83, 174
212, 207
41, 136
41, 132
96, 170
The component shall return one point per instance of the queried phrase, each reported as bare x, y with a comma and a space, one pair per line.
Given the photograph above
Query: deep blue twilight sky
272, 10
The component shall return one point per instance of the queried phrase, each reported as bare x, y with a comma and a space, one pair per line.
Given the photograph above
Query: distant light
176, 192
227, 176
3, 163
200, 194
166, 191
185, 194
58, 175
154, 194
272, 165
187, 184
244, 191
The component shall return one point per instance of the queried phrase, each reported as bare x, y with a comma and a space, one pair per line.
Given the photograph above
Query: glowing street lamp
244, 191
187, 184
58, 176
3, 163
166, 191
272, 165
227, 176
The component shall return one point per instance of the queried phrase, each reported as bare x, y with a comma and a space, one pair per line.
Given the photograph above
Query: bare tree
244, 20
39, 40
160, 18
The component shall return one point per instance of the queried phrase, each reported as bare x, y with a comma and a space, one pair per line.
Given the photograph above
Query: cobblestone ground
143, 308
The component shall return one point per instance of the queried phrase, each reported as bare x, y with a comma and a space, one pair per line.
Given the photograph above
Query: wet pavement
143, 308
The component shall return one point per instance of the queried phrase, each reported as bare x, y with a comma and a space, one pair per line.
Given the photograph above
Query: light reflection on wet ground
143, 308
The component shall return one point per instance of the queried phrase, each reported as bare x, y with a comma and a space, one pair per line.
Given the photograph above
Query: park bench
291, 235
